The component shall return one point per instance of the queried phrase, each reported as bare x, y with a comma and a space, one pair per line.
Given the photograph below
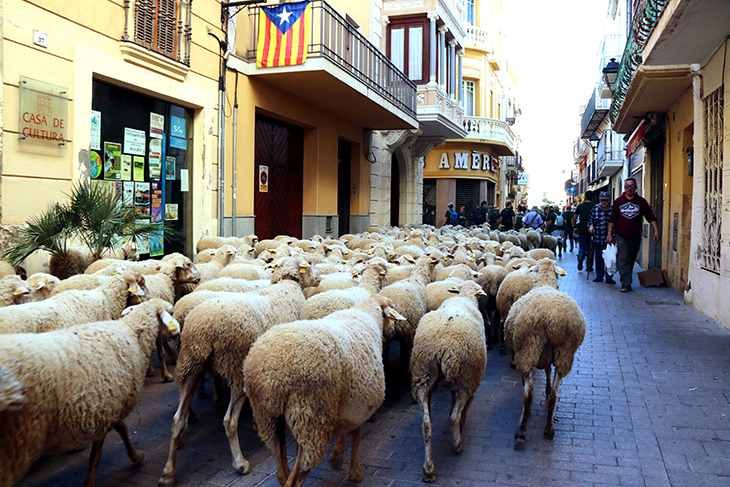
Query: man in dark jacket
626, 220
580, 223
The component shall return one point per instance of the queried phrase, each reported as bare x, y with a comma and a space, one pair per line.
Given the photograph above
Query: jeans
584, 243
626, 251
600, 266
570, 237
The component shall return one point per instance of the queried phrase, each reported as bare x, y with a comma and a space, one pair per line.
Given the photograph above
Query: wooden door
278, 211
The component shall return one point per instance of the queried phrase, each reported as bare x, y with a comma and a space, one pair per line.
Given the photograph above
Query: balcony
343, 73
610, 162
438, 114
478, 37
450, 12
496, 133
596, 111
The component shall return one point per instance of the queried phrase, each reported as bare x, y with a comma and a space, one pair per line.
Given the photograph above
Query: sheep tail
528, 349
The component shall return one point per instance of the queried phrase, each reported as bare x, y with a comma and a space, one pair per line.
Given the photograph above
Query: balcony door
408, 47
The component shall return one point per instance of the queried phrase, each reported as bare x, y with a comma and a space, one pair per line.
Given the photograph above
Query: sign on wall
469, 160
43, 114
264, 179
523, 179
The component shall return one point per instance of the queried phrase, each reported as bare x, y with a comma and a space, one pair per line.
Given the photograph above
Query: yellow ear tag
276, 267
562, 273
393, 266
133, 289
17, 291
302, 270
173, 326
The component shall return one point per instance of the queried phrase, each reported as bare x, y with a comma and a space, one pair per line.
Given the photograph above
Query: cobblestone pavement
645, 405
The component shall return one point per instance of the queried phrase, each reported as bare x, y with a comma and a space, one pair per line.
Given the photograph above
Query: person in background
493, 218
519, 216
450, 216
507, 217
568, 219
461, 217
626, 220
580, 223
485, 211
556, 227
598, 227
532, 219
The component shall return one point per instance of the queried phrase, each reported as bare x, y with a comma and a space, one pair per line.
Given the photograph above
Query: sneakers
625, 289
598, 279
610, 280
580, 264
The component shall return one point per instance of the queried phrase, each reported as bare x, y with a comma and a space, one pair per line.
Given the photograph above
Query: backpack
559, 221
452, 217
476, 216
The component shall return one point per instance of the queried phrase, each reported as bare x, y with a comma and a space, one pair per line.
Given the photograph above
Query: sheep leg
135, 455
459, 401
424, 400
218, 390
94, 460
355, 474
230, 422
526, 407
298, 474
338, 452
549, 431
166, 376
282, 466
548, 387
170, 352
179, 422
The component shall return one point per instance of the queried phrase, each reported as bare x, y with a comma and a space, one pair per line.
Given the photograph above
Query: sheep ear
534, 269
480, 292
170, 322
560, 271
39, 286
395, 315
19, 290
453, 290
382, 273
128, 310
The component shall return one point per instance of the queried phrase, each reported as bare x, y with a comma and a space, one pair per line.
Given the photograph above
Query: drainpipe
223, 45
235, 139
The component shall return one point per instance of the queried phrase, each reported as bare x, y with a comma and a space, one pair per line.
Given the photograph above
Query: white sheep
14, 290
230, 284
6, 269
223, 256
545, 327
245, 271
217, 336
323, 378
448, 349
42, 285
80, 382
538, 254
149, 266
12, 392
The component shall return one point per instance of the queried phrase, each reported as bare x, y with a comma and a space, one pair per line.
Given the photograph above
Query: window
162, 26
469, 89
713, 173
470, 12
408, 47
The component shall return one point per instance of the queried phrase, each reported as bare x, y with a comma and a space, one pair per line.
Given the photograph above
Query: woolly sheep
544, 328
533, 239
538, 254
72, 307
490, 278
12, 392
230, 284
210, 270
245, 271
517, 284
6, 269
340, 280
448, 349
42, 285
549, 242
204, 256
323, 378
217, 336
212, 242
14, 290
80, 382
439, 291
149, 266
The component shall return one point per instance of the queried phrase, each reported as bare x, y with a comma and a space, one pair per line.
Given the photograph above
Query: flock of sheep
300, 328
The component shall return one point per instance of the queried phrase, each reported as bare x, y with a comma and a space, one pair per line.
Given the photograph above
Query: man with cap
450, 215
580, 223
532, 219
598, 227
626, 218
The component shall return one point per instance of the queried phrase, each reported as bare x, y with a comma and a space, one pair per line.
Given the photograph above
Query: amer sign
466, 160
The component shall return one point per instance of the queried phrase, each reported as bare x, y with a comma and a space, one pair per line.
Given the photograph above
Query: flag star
284, 16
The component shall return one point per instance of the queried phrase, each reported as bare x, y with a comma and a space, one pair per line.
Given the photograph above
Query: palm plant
93, 216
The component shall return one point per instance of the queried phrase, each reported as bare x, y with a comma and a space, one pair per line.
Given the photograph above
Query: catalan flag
283, 34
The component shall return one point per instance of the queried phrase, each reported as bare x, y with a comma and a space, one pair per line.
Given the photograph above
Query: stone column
461, 78
442, 56
452, 68
432, 17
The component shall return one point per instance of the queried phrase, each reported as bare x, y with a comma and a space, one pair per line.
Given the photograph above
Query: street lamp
594, 140
609, 74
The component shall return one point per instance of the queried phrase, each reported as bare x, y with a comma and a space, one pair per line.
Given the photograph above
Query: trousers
570, 237
584, 246
626, 251
600, 264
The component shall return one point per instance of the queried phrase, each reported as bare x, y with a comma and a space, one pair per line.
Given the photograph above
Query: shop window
408, 47
141, 148
162, 26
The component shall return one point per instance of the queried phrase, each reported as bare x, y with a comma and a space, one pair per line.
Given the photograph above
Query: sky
553, 51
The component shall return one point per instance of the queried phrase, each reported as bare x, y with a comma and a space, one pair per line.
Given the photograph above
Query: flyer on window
170, 168
141, 194
157, 244
143, 243
112, 160
157, 125
156, 206
171, 210
126, 167
95, 130
138, 168
128, 197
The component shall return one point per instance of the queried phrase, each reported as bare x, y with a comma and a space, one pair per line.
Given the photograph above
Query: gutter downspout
233, 169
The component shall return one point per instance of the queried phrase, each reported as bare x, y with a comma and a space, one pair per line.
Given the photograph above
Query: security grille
162, 26
712, 217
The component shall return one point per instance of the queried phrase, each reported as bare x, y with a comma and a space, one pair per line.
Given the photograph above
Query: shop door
343, 187
656, 198
394, 191
278, 204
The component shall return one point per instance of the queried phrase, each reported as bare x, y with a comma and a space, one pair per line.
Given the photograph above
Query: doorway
656, 197
394, 191
343, 187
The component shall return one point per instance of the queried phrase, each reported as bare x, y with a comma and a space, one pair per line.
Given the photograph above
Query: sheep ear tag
561, 272
170, 322
396, 315
19, 291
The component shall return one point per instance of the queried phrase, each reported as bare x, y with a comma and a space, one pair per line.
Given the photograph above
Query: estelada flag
283, 34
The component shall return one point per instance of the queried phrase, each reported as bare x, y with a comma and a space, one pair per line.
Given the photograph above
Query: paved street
647, 404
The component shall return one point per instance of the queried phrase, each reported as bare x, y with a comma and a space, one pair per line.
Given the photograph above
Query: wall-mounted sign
465, 160
178, 127
264, 179
523, 179
43, 114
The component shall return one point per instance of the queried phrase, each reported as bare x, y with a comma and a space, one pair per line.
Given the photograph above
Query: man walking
580, 223
568, 219
626, 220
532, 219
507, 217
598, 226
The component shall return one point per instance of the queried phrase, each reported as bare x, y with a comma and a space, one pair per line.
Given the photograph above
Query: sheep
149, 266
245, 271
533, 239
204, 256
549, 242
42, 285
223, 256
217, 336
448, 349
545, 327
490, 278
439, 291
323, 378
14, 290
80, 382
538, 254
340, 280
372, 280
73, 307
12, 392
6, 269
210, 242
517, 284
230, 284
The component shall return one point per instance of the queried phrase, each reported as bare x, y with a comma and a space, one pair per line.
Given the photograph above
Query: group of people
594, 226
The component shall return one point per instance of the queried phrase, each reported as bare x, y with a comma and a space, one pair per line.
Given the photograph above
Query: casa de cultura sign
473, 160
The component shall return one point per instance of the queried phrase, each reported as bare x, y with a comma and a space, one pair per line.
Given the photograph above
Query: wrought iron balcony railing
161, 26
334, 38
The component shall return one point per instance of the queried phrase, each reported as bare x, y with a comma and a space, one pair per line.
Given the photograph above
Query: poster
107, 187
177, 127
263, 179
134, 141
94, 165
184, 180
170, 168
112, 160
171, 211
155, 161
126, 167
95, 131
156, 204
138, 168
157, 125
128, 195
141, 194
143, 243
157, 244
142, 211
